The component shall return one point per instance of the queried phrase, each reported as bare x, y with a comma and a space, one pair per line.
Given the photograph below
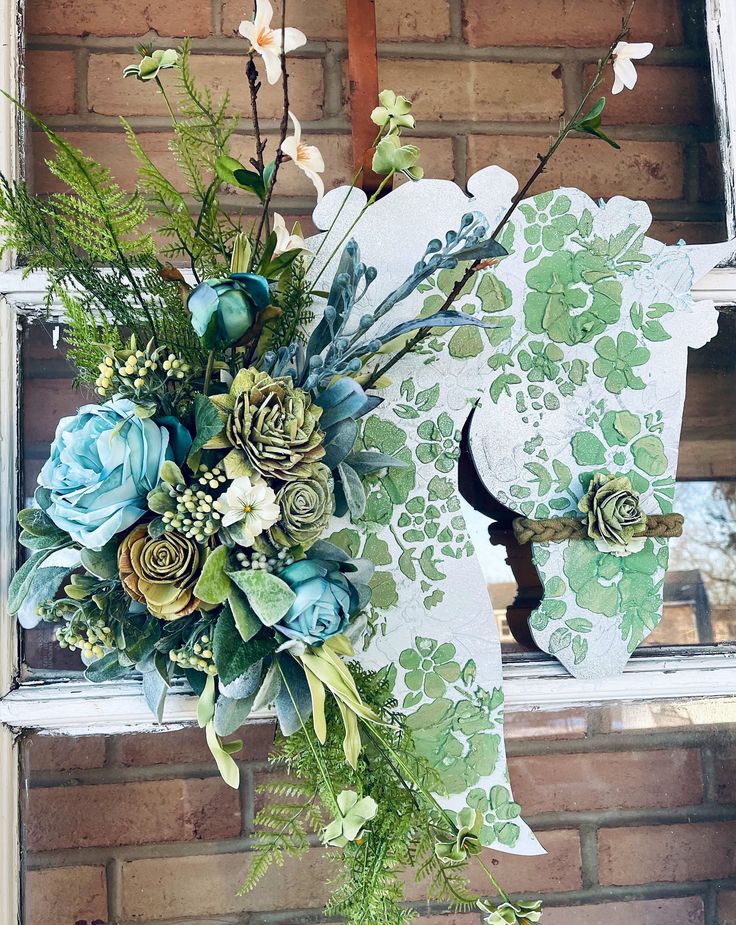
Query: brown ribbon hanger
363, 88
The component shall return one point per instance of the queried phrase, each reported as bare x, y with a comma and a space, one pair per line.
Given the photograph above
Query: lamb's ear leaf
22, 579
269, 596
213, 585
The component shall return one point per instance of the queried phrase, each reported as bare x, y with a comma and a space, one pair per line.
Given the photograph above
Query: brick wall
489, 79
635, 805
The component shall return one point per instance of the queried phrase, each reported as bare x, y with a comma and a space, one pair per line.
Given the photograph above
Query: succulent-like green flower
508, 913
160, 572
617, 359
152, 63
394, 112
306, 506
393, 157
272, 426
453, 848
353, 814
615, 519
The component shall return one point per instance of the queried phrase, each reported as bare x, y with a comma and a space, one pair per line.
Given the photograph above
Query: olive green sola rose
615, 519
306, 506
160, 572
272, 427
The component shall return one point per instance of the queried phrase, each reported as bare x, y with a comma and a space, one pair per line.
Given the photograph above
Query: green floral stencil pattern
550, 366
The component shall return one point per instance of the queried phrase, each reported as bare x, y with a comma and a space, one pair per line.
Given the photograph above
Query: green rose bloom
161, 572
306, 507
272, 426
615, 520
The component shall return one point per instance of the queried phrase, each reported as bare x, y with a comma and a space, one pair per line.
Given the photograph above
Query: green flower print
574, 297
629, 449
550, 221
541, 361
616, 362
421, 518
619, 587
498, 811
429, 667
441, 443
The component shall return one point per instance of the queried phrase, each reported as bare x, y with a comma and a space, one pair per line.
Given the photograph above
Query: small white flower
624, 54
267, 41
250, 502
285, 240
306, 157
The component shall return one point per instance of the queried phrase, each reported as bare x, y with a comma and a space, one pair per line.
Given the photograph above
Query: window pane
47, 395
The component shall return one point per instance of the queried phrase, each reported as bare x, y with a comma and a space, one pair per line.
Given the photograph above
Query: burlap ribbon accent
556, 529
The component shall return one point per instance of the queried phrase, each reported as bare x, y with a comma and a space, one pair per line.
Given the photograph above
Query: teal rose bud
224, 309
103, 463
325, 601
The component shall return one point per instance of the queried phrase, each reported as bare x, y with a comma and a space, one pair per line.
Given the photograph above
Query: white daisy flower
250, 502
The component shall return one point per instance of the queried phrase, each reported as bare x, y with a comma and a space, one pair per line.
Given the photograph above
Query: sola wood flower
152, 63
453, 848
266, 41
615, 520
352, 817
306, 157
394, 111
624, 54
160, 572
250, 503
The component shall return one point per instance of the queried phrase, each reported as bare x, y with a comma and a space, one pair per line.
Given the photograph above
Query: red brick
607, 780
411, 20
685, 911
651, 854
194, 887
577, 23
118, 17
65, 753
50, 82
727, 907
109, 93
544, 724
663, 96
648, 170
724, 761
185, 746
476, 90
65, 895
131, 814
690, 232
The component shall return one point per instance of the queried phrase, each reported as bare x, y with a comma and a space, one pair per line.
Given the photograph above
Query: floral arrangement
178, 529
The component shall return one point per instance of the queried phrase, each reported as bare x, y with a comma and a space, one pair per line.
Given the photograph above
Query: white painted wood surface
10, 880
721, 28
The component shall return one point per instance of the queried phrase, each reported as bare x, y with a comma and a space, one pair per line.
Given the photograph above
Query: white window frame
74, 707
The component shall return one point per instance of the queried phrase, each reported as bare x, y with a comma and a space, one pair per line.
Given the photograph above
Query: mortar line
708, 770
455, 8
114, 880
589, 854
216, 11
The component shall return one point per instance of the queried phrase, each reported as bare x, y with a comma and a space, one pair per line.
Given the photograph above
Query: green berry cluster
196, 654
195, 515
263, 562
138, 374
90, 635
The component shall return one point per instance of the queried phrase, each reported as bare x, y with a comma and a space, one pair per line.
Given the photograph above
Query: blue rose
103, 463
325, 601
224, 309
